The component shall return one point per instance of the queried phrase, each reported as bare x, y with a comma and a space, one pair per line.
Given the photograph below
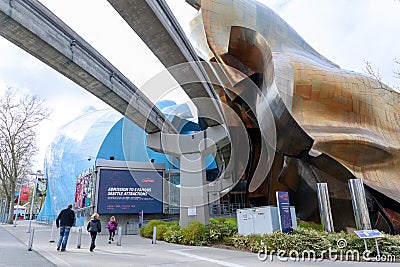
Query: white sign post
368, 234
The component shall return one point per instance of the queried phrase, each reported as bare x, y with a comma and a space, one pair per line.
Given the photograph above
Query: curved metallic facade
332, 124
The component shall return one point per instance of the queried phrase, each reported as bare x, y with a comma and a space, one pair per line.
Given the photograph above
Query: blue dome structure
96, 134
68, 154
102, 134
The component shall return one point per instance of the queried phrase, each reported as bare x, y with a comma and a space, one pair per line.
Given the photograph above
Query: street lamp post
33, 200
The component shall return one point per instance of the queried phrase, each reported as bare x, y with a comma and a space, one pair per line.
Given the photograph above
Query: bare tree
375, 74
20, 116
397, 71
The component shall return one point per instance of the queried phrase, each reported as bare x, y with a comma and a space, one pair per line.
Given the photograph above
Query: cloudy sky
345, 31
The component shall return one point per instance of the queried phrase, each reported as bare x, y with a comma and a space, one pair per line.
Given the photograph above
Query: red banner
24, 193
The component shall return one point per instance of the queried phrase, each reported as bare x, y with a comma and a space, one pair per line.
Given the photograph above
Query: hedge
303, 238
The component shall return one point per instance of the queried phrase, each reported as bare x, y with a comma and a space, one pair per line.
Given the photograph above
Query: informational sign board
192, 211
285, 218
84, 190
129, 191
369, 234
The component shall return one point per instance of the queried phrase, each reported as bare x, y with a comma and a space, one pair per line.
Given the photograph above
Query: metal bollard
154, 235
119, 236
52, 232
30, 242
78, 245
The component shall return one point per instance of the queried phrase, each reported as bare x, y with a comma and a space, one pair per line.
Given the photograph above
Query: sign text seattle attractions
129, 191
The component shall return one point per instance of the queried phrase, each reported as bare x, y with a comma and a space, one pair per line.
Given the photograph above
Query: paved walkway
15, 253
135, 251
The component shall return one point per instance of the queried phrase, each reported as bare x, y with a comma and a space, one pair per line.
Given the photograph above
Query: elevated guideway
36, 30
155, 24
31, 26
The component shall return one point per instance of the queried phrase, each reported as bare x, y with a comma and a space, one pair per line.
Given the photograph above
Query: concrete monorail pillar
191, 149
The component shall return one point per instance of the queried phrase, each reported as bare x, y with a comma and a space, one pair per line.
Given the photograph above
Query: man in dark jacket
94, 227
65, 221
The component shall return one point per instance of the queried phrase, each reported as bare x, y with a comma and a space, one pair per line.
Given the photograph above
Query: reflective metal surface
325, 207
331, 124
359, 202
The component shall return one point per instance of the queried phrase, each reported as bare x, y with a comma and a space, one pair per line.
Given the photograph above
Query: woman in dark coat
94, 227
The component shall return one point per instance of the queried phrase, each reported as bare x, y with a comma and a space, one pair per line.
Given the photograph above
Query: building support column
191, 149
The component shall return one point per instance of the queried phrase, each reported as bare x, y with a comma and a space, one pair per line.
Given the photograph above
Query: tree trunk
11, 211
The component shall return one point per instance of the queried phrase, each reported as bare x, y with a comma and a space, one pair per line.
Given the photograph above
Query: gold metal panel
350, 119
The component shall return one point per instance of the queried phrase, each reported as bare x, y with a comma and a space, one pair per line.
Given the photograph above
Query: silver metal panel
325, 207
359, 202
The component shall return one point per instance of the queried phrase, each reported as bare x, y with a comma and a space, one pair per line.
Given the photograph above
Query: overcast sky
345, 31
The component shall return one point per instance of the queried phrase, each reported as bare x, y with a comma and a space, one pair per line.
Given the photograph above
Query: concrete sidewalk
135, 251
14, 253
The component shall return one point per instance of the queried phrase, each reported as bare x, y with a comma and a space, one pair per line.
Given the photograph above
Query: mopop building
322, 123
302, 118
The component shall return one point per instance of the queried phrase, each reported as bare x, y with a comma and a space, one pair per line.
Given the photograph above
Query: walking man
65, 221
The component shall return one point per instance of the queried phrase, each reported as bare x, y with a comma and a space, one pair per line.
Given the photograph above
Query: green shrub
308, 238
220, 228
213, 232
217, 220
147, 230
214, 220
194, 233
312, 240
252, 242
227, 240
255, 243
391, 245
161, 229
310, 225
231, 222
173, 234
173, 223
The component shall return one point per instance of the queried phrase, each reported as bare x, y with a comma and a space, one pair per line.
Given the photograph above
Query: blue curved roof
67, 156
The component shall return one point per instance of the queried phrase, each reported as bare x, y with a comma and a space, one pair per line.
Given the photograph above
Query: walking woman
94, 227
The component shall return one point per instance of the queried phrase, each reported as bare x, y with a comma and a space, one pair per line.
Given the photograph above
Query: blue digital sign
285, 218
129, 191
